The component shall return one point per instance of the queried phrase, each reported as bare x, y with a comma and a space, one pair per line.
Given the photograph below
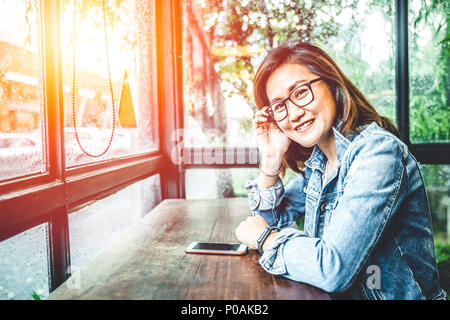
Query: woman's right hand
271, 141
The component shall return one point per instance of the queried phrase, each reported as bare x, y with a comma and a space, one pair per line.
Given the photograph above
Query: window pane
429, 65
222, 183
131, 48
95, 227
225, 41
437, 182
21, 99
23, 265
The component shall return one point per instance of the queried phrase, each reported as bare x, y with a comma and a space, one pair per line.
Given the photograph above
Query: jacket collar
317, 160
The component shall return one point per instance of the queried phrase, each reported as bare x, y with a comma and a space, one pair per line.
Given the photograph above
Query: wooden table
149, 262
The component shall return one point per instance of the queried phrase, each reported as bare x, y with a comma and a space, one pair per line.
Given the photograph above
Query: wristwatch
263, 237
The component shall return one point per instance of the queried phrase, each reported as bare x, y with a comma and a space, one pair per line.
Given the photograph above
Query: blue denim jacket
367, 232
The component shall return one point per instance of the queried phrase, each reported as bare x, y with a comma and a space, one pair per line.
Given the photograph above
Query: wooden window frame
51, 196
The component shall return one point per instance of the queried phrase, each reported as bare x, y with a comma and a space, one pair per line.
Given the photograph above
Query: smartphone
217, 248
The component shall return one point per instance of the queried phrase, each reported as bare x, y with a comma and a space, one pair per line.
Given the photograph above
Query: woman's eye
300, 93
277, 107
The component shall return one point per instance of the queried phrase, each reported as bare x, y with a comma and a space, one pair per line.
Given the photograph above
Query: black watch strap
263, 236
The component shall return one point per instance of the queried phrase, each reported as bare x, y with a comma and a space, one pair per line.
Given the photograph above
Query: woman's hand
271, 141
250, 229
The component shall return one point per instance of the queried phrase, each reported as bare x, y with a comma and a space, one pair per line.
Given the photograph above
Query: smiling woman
355, 176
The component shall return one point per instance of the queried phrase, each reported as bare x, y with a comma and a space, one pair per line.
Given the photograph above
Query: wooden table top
149, 262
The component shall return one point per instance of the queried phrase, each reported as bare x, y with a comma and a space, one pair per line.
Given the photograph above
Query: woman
367, 229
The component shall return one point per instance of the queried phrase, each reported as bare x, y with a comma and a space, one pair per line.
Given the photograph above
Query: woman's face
318, 116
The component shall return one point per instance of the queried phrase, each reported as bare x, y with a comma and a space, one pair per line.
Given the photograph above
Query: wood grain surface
149, 262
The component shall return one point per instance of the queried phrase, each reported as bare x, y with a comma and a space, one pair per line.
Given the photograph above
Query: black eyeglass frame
308, 84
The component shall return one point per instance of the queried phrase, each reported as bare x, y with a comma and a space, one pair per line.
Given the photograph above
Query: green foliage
443, 262
35, 296
429, 71
429, 118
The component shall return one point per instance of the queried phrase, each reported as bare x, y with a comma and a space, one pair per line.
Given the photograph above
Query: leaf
35, 296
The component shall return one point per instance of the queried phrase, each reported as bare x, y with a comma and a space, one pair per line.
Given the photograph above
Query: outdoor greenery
35, 296
443, 261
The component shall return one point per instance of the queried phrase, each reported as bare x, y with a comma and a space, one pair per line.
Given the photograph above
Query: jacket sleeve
374, 187
280, 207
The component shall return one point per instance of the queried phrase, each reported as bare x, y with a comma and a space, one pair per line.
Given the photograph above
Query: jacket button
322, 207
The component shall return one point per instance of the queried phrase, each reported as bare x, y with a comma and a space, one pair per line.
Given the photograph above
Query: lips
304, 125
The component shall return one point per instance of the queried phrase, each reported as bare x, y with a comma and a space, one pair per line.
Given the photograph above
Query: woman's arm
280, 207
374, 189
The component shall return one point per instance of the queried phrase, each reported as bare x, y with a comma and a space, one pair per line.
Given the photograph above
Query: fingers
262, 114
261, 119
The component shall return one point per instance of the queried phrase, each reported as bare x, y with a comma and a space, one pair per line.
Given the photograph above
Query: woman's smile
303, 127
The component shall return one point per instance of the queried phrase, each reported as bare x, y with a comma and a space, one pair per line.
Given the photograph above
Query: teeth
304, 125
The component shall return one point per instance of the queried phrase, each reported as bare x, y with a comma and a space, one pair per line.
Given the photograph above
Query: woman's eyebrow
291, 87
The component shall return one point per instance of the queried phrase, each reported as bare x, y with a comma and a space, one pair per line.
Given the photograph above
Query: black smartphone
217, 248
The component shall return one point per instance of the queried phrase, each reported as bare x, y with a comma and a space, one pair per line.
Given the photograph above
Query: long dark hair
352, 107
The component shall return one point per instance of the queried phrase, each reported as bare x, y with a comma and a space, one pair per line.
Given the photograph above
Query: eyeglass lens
301, 96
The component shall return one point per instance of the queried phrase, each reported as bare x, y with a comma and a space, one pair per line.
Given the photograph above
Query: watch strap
263, 236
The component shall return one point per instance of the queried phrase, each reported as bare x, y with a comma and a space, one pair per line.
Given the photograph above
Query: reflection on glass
95, 227
130, 38
429, 67
224, 42
21, 147
23, 265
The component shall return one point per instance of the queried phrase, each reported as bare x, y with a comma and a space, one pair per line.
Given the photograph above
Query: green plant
442, 250
35, 296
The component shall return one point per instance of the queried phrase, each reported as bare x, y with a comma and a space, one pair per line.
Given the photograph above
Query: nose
295, 112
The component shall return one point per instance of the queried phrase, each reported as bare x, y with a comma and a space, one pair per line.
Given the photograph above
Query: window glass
429, 68
21, 98
24, 265
223, 183
437, 182
225, 41
89, 103
97, 226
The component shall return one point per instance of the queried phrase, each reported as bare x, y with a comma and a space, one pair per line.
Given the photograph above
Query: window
128, 56
21, 95
99, 225
23, 265
429, 68
48, 185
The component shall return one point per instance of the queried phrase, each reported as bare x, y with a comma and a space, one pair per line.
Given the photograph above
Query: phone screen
216, 246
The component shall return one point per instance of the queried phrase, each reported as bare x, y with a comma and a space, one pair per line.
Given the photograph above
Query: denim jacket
367, 231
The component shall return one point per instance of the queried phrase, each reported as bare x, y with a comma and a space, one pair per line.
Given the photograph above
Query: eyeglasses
301, 96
